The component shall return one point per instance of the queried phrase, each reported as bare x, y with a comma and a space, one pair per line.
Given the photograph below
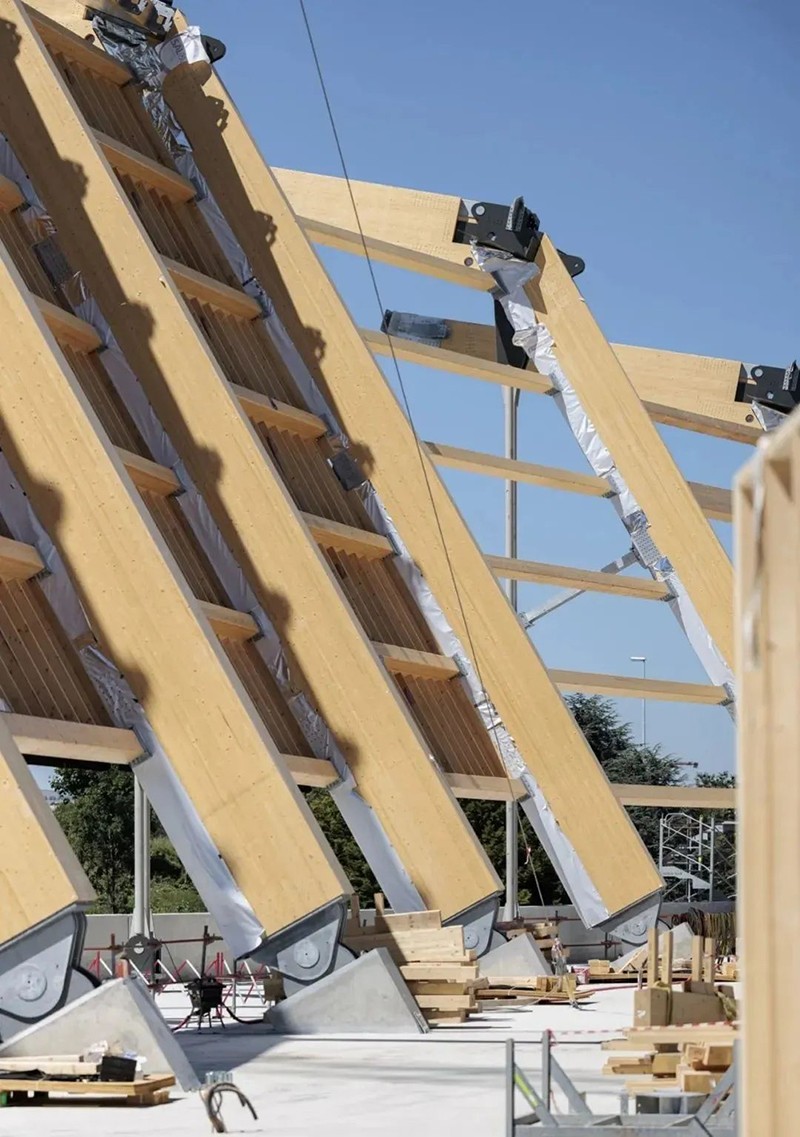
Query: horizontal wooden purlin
18, 561
282, 416
70, 331
441, 359
138, 166
486, 788
677, 797
349, 241
714, 501
59, 39
55, 738
416, 664
316, 772
347, 538
207, 290
716, 414
10, 195
627, 686
511, 568
148, 475
228, 623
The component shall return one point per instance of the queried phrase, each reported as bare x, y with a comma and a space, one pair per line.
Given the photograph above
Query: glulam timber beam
676, 797
629, 687
431, 527
311, 772
714, 500
149, 475
63, 39
483, 787
146, 170
142, 611
70, 331
184, 377
228, 623
41, 874
565, 576
83, 742
18, 561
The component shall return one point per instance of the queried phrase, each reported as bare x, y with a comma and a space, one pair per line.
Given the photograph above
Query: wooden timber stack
687, 1059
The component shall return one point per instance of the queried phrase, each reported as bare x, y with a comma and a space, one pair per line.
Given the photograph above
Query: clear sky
657, 141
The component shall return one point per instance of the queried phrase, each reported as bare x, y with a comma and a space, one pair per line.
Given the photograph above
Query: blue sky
658, 141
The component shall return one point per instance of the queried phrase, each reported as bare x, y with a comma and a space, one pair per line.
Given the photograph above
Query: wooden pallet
148, 1090
529, 991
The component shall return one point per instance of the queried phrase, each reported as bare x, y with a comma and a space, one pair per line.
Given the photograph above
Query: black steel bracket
511, 229
775, 387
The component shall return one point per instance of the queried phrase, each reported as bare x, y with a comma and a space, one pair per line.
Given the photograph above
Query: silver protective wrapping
203, 861
143, 59
357, 813
510, 276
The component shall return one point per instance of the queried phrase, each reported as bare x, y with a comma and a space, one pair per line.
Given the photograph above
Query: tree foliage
97, 816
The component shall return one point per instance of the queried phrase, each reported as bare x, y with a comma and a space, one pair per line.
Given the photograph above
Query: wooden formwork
767, 509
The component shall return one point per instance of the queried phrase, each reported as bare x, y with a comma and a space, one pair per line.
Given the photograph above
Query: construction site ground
450, 1080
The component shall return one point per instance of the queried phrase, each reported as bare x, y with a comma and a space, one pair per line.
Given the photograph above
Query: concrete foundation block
367, 996
121, 1013
518, 957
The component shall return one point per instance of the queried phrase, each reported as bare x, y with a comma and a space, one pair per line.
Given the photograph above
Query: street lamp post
643, 660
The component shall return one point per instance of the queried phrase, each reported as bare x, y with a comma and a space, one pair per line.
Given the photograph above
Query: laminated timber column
101, 236
767, 523
146, 618
570, 778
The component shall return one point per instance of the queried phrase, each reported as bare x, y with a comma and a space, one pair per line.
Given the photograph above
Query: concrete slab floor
450, 1081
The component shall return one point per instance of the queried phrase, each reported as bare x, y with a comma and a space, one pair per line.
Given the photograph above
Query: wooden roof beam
148, 475
228, 623
676, 797
77, 741
70, 331
200, 286
18, 561
347, 538
714, 501
155, 175
416, 664
272, 412
59, 39
565, 576
10, 195
629, 687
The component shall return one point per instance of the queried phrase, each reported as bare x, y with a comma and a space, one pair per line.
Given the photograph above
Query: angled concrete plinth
519, 957
121, 1013
367, 996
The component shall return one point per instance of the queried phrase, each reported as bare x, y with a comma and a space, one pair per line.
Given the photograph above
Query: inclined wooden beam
55, 738
714, 500
272, 412
309, 307
629, 687
676, 797
102, 236
416, 664
140, 607
18, 561
41, 875
138, 166
615, 584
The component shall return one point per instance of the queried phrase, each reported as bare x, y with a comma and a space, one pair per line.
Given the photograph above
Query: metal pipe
511, 407
141, 917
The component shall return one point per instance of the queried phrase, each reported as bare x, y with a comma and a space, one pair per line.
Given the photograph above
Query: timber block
367, 996
517, 957
123, 1014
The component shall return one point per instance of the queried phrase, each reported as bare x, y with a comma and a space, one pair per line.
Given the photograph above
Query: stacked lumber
530, 990
440, 973
687, 1059
31, 1081
544, 932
